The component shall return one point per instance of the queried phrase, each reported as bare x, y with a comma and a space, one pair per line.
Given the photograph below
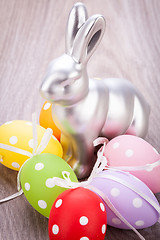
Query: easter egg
18, 134
46, 120
37, 180
127, 150
77, 214
137, 211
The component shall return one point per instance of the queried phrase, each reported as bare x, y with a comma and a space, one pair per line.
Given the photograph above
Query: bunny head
67, 81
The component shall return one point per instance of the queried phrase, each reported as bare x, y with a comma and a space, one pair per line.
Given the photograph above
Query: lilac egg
137, 211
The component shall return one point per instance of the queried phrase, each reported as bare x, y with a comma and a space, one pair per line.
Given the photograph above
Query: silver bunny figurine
86, 108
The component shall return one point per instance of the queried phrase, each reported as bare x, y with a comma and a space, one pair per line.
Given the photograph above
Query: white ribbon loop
100, 140
65, 181
45, 140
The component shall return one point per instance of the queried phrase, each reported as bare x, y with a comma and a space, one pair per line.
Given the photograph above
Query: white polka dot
104, 228
115, 192
50, 183
55, 229
102, 207
30, 143
29, 123
58, 203
137, 202
47, 106
15, 165
83, 220
9, 122
39, 166
139, 223
84, 238
27, 186
116, 221
13, 140
115, 145
129, 153
42, 204
155, 151
1, 160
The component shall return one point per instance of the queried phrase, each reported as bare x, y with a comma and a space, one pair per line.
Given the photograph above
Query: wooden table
31, 35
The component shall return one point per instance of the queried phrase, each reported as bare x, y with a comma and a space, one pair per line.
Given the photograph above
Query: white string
16, 150
130, 186
111, 206
45, 140
66, 182
12, 196
148, 167
100, 140
99, 165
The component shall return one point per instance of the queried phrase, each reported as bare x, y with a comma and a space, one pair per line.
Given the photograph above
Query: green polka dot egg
37, 180
18, 134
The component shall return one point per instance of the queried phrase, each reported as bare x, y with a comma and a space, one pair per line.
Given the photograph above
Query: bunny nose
51, 92
45, 90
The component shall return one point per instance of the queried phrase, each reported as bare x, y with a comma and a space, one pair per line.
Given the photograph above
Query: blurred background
32, 33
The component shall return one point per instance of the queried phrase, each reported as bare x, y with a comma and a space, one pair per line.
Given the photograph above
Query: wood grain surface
31, 35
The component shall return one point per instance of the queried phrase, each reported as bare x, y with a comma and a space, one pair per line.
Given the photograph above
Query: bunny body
85, 108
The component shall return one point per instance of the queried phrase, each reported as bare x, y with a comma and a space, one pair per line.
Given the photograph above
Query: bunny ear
88, 38
77, 18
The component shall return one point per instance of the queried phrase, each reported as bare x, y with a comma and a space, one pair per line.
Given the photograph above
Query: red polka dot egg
131, 151
77, 214
18, 134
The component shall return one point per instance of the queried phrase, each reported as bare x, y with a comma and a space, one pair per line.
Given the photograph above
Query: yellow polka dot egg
18, 134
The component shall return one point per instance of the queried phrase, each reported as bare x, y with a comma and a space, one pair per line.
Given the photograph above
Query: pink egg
129, 151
